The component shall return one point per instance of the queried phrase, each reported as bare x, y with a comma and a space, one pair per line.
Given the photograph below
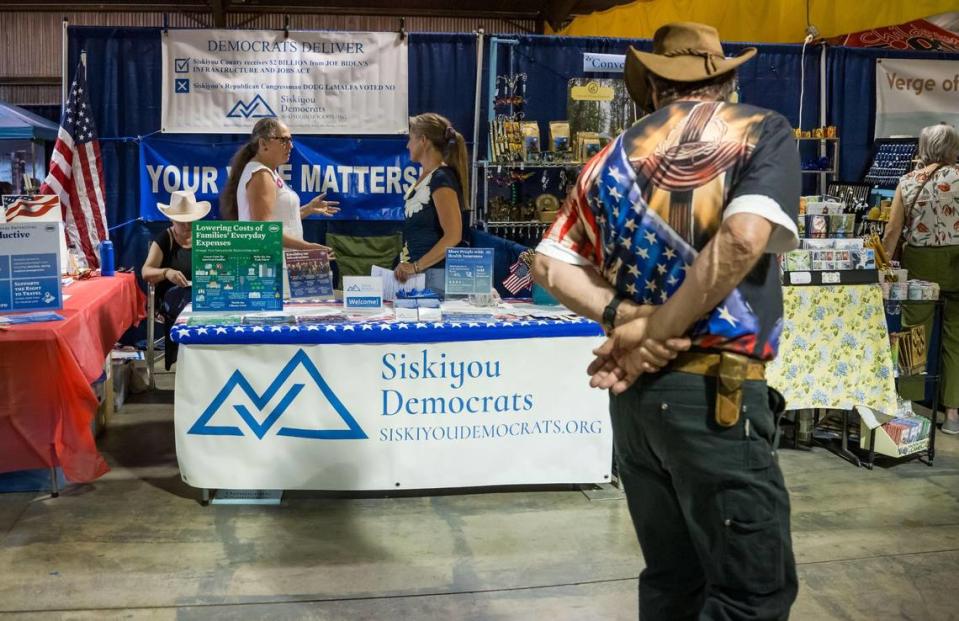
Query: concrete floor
136, 544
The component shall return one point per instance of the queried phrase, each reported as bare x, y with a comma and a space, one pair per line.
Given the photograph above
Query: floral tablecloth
834, 352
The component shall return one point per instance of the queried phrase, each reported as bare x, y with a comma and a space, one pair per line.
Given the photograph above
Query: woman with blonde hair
435, 203
925, 210
255, 191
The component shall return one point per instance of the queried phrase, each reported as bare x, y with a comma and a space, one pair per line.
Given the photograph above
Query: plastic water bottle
106, 258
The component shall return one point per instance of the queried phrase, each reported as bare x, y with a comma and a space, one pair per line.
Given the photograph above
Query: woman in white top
256, 192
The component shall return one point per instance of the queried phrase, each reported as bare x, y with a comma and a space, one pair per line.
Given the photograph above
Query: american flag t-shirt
643, 208
646, 258
76, 172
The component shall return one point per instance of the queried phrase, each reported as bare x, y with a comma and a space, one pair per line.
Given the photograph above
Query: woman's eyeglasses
287, 140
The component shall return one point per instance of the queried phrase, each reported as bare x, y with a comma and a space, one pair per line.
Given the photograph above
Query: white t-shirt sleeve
555, 250
785, 235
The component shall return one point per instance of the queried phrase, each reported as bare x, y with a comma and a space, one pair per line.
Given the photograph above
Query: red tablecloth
47, 403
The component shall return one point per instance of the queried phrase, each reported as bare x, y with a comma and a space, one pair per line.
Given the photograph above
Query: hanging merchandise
598, 111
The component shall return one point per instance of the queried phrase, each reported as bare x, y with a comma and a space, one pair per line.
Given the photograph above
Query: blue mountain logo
354, 288
256, 109
202, 427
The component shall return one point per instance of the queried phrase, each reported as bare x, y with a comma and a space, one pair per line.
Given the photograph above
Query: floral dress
934, 218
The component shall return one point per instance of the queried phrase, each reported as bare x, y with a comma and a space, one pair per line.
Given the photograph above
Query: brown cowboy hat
682, 52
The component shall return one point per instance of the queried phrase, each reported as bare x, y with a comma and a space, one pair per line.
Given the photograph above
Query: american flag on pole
76, 172
519, 274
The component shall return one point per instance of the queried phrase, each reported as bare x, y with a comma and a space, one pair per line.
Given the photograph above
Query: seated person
169, 264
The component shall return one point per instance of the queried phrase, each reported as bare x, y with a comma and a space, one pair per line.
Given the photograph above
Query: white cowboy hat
184, 207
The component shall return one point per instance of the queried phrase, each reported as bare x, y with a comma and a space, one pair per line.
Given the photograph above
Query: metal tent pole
474, 188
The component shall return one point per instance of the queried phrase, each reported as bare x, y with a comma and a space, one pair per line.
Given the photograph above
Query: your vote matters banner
390, 415
223, 81
368, 175
912, 94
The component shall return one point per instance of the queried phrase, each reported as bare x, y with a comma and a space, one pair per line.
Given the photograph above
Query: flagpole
63, 66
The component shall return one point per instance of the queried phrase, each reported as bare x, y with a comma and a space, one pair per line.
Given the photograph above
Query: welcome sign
223, 81
388, 416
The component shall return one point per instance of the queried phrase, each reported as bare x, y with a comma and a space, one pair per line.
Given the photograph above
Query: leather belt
709, 364
730, 370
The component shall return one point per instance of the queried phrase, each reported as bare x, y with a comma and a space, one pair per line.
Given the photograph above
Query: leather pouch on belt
729, 388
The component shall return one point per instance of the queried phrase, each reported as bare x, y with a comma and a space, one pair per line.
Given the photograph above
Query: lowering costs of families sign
30, 267
237, 266
224, 81
912, 94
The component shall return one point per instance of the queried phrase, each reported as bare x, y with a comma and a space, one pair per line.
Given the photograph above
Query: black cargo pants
708, 503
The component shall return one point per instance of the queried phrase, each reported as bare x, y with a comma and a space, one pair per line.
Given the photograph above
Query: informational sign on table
237, 266
469, 271
30, 267
24, 208
363, 292
309, 274
224, 81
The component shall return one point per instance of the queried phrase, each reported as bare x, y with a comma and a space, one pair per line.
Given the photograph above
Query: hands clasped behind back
642, 344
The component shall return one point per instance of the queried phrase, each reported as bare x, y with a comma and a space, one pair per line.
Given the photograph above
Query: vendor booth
532, 109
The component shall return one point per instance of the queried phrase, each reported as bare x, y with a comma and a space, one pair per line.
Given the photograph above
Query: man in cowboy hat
669, 240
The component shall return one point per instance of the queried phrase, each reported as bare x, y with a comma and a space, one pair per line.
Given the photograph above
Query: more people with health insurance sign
223, 81
388, 415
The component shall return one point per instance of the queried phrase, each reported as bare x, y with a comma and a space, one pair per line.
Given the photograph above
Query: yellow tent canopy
757, 21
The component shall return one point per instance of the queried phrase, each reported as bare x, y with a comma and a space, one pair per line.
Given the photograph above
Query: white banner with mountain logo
224, 81
390, 416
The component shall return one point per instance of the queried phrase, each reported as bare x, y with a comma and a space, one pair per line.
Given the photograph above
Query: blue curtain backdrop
852, 101
125, 82
770, 80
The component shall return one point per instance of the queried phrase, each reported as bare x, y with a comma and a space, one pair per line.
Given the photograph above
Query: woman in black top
169, 264
435, 204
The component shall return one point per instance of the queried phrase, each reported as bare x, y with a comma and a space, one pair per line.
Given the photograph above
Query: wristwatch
609, 313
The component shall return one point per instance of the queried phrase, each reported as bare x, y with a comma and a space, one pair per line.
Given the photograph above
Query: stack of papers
391, 286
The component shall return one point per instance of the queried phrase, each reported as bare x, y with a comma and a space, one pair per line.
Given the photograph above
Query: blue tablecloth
382, 332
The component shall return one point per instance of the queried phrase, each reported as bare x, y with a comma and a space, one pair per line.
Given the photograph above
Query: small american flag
17, 207
519, 274
76, 172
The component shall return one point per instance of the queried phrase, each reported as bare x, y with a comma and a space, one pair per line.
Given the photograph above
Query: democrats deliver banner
223, 81
368, 176
912, 94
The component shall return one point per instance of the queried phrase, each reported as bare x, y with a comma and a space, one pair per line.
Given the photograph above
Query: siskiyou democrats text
432, 374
